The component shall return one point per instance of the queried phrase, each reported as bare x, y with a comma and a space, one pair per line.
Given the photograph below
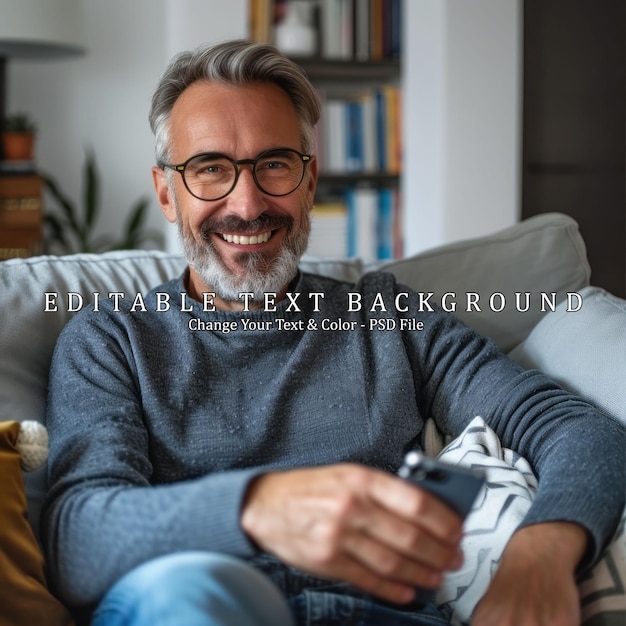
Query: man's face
240, 122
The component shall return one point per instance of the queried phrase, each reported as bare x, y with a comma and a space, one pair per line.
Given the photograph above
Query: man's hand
535, 583
355, 524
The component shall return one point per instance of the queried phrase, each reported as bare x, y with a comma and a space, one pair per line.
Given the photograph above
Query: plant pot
18, 146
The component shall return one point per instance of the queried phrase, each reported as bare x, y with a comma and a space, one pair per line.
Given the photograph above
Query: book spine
354, 136
362, 205
20, 216
331, 29
329, 230
385, 224
335, 132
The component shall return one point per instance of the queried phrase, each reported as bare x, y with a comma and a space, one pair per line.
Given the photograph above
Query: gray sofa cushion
544, 254
582, 354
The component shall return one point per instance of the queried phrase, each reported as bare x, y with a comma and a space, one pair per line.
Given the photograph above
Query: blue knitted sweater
159, 419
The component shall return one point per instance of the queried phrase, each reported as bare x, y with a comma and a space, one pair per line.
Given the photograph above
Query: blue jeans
204, 589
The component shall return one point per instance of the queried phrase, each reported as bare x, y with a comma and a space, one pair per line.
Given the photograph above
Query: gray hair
237, 62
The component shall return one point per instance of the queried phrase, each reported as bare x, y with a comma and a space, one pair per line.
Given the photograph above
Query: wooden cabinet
575, 125
21, 221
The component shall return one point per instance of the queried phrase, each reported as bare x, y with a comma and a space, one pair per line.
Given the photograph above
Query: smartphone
456, 486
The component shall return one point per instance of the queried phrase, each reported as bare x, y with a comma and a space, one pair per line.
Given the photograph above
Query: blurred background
508, 107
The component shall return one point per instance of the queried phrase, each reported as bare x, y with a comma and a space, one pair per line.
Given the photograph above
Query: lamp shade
36, 29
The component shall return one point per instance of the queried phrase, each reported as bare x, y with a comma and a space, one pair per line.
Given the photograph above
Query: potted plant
18, 137
70, 227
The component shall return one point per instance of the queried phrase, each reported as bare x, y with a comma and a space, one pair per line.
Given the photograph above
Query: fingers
357, 558
397, 538
412, 503
355, 524
389, 563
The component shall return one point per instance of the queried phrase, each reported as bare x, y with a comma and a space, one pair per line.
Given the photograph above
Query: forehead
238, 120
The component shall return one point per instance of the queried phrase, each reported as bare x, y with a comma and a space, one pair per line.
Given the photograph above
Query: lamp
37, 29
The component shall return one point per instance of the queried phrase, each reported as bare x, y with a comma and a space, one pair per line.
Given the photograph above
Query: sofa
527, 287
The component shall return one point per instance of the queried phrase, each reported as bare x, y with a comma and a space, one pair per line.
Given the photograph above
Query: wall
461, 106
462, 119
101, 101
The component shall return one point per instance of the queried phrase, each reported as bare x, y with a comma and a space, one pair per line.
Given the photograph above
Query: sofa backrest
543, 254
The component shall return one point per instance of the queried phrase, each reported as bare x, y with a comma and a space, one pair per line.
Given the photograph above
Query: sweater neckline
275, 309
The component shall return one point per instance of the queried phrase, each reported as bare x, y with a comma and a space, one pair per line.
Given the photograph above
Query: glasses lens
279, 172
209, 176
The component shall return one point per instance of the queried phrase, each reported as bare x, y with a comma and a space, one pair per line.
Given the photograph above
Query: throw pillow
25, 597
543, 254
496, 514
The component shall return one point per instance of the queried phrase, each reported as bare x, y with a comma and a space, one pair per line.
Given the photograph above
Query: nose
246, 199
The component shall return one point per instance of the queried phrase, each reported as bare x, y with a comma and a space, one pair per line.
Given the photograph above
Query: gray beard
260, 275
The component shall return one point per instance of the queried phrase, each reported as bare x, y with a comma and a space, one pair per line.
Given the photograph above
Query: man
203, 449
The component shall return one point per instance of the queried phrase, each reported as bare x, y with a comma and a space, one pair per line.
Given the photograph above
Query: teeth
245, 240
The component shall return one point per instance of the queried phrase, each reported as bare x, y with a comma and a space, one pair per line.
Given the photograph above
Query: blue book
354, 138
385, 224
381, 130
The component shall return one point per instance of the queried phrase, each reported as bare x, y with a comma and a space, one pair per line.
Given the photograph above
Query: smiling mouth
247, 240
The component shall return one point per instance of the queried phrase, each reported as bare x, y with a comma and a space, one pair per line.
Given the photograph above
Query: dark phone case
454, 485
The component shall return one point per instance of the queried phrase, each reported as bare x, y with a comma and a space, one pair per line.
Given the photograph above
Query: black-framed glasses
212, 175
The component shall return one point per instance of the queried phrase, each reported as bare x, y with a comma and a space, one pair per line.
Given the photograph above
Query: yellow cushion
25, 596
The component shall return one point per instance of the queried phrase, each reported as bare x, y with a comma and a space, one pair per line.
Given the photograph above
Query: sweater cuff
599, 525
220, 522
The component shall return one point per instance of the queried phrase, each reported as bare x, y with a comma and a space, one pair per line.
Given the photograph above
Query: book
362, 222
261, 16
329, 230
354, 136
362, 30
331, 27
21, 221
20, 192
374, 223
385, 224
389, 131
334, 132
361, 132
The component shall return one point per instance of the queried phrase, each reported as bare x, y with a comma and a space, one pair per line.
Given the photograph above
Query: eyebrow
209, 155
214, 154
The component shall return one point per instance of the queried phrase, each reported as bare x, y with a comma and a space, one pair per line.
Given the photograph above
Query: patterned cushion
495, 516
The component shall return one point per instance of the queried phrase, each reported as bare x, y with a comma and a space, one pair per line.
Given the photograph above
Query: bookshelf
357, 70
20, 215
320, 69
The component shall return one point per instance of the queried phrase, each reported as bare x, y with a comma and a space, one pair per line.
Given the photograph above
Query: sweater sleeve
102, 502
576, 451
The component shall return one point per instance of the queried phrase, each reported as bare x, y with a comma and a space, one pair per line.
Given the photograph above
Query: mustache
234, 224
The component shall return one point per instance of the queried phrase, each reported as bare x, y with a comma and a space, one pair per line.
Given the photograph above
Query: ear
313, 173
163, 194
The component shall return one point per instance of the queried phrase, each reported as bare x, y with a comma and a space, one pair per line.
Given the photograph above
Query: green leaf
81, 224
91, 192
66, 205
56, 230
137, 216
